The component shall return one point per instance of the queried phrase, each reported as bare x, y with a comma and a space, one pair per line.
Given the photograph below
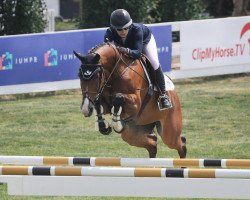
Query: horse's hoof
106, 131
103, 127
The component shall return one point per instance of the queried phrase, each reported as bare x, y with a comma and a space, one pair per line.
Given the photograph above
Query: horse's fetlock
183, 139
118, 126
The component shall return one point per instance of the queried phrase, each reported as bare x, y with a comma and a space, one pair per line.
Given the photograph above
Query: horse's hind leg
174, 140
172, 137
183, 152
171, 128
141, 137
152, 148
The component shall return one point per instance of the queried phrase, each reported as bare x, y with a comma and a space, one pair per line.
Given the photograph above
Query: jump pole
125, 162
124, 172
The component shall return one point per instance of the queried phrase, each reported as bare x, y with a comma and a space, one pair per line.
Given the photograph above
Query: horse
112, 83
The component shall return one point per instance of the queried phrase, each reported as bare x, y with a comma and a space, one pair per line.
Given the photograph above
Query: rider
135, 39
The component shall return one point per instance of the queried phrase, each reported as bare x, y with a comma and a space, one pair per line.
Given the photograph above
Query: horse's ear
80, 57
96, 58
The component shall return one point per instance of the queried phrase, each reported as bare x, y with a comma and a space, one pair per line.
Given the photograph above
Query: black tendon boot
163, 98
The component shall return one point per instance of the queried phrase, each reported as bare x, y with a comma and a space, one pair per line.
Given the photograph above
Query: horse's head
90, 74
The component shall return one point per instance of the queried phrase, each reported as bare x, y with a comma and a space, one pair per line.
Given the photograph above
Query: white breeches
150, 50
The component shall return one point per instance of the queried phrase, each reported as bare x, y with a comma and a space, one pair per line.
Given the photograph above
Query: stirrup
159, 102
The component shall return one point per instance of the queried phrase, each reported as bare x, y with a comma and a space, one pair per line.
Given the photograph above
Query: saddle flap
151, 75
168, 84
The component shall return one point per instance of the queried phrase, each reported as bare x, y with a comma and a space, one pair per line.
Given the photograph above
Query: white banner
216, 42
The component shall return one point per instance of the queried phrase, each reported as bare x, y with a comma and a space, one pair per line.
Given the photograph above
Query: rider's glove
124, 50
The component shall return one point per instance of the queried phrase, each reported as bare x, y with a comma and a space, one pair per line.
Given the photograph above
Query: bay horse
115, 84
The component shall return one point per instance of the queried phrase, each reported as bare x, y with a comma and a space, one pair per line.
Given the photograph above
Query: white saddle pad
169, 84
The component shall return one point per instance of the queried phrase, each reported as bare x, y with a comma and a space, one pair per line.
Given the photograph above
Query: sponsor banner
216, 42
46, 57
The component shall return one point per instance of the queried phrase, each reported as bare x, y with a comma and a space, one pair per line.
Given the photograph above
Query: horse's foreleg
118, 110
100, 124
117, 123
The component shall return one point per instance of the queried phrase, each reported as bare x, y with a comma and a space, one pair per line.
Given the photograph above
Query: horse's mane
93, 49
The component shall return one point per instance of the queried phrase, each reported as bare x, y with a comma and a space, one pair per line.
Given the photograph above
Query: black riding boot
160, 81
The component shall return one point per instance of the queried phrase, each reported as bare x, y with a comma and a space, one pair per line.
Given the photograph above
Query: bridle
106, 81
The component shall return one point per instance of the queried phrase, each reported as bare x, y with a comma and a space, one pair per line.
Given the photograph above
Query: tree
22, 16
180, 10
219, 8
97, 13
240, 7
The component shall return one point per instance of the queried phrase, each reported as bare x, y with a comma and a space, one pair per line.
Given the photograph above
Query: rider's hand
124, 50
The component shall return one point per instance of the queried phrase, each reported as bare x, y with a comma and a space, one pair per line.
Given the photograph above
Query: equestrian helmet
120, 19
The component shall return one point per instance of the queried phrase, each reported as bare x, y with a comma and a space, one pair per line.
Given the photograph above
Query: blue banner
163, 38
49, 57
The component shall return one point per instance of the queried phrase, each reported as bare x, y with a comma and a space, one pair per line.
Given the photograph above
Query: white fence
50, 18
212, 47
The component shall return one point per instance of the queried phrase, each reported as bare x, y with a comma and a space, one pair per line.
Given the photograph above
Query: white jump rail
124, 172
124, 162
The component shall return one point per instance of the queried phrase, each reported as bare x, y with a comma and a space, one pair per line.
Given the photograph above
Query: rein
127, 68
106, 81
101, 89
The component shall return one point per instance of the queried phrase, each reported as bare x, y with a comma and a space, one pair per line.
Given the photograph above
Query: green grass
66, 25
216, 115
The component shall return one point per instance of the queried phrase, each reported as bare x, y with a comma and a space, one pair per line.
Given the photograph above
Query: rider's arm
136, 44
108, 36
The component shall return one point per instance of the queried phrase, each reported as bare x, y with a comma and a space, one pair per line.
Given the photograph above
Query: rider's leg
165, 101
151, 52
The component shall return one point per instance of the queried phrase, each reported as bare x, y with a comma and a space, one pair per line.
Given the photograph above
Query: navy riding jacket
138, 36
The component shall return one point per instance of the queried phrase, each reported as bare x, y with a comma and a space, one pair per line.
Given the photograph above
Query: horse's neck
108, 56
